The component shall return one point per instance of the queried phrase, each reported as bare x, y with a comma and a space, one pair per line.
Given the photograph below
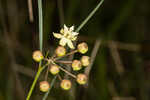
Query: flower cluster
56, 64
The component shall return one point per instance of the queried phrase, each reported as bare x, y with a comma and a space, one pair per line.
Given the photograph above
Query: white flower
66, 36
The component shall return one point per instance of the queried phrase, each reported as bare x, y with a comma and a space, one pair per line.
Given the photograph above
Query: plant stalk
89, 16
40, 24
34, 82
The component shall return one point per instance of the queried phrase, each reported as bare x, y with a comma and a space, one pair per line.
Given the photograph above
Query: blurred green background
121, 67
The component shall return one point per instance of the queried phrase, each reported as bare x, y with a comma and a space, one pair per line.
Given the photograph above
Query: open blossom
66, 36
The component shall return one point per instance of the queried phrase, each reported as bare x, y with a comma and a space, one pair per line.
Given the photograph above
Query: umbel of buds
44, 86
81, 79
82, 48
65, 84
54, 69
76, 65
60, 51
85, 60
37, 56
54, 64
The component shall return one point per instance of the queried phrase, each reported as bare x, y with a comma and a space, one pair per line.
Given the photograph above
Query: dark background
122, 65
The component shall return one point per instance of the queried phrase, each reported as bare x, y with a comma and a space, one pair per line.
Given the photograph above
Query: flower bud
85, 60
44, 86
65, 84
37, 56
54, 69
82, 48
60, 51
81, 79
76, 65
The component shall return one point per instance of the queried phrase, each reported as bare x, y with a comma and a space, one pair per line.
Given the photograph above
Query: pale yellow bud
82, 48
65, 84
54, 69
76, 65
85, 60
44, 86
37, 56
60, 51
81, 79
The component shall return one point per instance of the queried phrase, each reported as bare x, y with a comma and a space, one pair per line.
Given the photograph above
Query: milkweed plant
66, 36
56, 63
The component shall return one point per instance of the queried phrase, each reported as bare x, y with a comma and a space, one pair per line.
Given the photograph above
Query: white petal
70, 44
57, 35
74, 33
65, 29
71, 28
63, 41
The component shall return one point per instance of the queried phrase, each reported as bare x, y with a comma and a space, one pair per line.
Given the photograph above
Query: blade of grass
30, 10
93, 56
89, 16
52, 83
40, 24
40, 69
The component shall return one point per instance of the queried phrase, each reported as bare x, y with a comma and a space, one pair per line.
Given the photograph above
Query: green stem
89, 16
40, 24
34, 82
